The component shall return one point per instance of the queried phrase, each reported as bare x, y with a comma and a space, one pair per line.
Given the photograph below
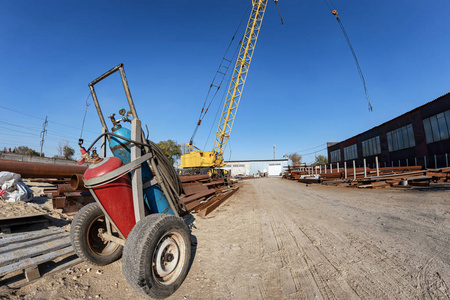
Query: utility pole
273, 152
43, 133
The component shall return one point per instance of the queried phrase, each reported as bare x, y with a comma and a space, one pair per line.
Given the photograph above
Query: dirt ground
279, 239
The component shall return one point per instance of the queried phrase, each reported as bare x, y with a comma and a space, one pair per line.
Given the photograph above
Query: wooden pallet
39, 221
26, 257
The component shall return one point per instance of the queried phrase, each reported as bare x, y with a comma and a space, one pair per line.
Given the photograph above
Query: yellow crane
197, 158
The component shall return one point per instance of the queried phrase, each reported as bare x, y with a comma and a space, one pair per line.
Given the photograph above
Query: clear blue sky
302, 90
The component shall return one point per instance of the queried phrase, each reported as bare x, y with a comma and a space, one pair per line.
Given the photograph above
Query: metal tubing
127, 91
40, 170
103, 143
365, 168
354, 171
378, 169
106, 74
136, 175
97, 106
77, 183
446, 160
345, 169
63, 188
337, 165
435, 162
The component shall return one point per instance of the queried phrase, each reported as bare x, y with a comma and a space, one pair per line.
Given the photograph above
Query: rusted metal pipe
40, 170
63, 188
76, 182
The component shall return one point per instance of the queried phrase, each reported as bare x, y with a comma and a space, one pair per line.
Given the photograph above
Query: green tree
171, 149
64, 150
25, 150
68, 152
321, 160
296, 158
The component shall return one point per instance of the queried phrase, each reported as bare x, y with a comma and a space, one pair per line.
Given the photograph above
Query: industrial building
418, 137
273, 167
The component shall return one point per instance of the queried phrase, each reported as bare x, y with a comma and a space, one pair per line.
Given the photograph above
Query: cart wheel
84, 235
156, 255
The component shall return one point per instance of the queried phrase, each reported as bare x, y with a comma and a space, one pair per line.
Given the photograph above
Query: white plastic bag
13, 188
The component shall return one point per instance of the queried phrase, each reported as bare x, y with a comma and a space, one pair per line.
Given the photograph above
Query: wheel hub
167, 257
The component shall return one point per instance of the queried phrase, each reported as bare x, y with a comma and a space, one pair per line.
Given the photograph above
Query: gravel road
279, 239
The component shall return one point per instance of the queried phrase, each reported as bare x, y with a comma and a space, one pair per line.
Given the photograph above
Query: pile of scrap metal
398, 176
370, 177
69, 194
203, 194
302, 174
70, 197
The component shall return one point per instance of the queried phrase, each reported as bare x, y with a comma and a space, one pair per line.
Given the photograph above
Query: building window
371, 146
401, 138
350, 152
335, 155
437, 127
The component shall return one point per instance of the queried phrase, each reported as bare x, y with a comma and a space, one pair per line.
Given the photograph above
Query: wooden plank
35, 250
31, 243
32, 273
29, 262
7, 223
27, 236
57, 267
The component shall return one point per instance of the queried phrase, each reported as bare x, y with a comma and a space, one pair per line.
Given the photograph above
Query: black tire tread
138, 240
76, 237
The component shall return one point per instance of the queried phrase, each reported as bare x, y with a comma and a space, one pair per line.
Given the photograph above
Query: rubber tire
79, 237
140, 247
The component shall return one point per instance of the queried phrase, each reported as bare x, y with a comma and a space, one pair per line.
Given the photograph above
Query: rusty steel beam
40, 170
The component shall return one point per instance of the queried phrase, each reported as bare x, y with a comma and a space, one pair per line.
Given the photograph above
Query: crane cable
84, 118
222, 70
279, 13
228, 80
330, 5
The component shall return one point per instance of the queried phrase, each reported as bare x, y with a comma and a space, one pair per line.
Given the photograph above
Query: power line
321, 145
42, 119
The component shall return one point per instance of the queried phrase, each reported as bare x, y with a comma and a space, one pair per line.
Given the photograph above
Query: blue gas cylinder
153, 196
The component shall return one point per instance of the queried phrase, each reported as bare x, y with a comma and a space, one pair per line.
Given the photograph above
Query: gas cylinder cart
137, 209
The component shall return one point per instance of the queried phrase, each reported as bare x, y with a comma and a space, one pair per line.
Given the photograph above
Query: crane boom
238, 79
214, 158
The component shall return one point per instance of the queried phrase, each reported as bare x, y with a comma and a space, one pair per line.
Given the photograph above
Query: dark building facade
420, 136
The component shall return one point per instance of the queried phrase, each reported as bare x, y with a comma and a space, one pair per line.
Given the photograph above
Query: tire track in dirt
316, 274
351, 249
394, 263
